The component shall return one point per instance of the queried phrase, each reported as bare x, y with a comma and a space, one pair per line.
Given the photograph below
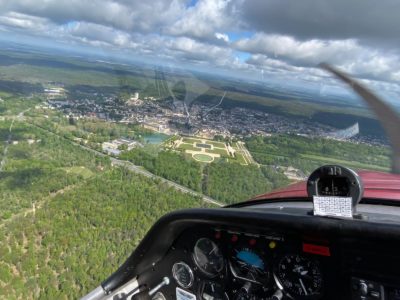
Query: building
114, 146
54, 92
135, 96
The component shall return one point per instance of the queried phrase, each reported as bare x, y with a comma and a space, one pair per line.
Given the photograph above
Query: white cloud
193, 50
308, 52
95, 33
204, 19
222, 36
347, 54
198, 34
137, 15
284, 69
25, 22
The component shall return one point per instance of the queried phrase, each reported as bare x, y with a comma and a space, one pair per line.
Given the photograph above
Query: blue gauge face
247, 265
250, 258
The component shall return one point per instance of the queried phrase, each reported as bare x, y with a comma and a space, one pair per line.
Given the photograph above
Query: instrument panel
289, 249
274, 254
222, 264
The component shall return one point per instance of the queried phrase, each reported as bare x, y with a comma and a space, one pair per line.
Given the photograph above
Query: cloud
325, 19
309, 52
347, 54
96, 33
286, 38
204, 19
137, 15
194, 51
20, 21
287, 71
201, 21
222, 36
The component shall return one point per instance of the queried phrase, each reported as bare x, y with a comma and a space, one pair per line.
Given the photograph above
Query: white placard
333, 206
183, 295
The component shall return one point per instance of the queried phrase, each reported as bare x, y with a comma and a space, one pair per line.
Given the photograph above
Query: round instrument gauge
249, 266
299, 276
208, 257
213, 291
183, 274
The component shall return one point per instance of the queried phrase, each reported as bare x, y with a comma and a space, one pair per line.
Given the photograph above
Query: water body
155, 138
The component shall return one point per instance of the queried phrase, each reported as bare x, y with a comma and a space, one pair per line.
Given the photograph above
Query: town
201, 120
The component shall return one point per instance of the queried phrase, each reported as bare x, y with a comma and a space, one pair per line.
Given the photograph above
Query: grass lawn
238, 159
351, 164
202, 157
191, 141
199, 140
216, 144
221, 152
188, 147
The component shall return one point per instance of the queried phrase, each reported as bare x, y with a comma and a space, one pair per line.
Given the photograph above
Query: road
246, 153
139, 170
177, 186
215, 106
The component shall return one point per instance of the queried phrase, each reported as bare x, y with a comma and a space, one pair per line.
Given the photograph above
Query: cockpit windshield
114, 113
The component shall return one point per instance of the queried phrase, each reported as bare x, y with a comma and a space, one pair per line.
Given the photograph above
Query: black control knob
363, 288
246, 288
277, 295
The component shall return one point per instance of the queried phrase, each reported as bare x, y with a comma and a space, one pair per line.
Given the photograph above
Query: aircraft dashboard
244, 253
232, 263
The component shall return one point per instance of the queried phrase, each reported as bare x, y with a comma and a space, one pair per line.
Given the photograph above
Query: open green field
188, 145
237, 160
203, 157
315, 160
218, 148
307, 153
221, 152
184, 146
240, 159
351, 164
191, 140
199, 140
216, 144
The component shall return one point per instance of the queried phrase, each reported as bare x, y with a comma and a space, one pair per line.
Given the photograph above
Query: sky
280, 39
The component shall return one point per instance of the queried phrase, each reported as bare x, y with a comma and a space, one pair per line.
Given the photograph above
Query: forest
225, 181
93, 131
232, 182
37, 165
167, 164
175, 166
81, 236
307, 153
68, 218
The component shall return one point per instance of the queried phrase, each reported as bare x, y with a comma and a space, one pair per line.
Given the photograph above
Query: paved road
179, 187
139, 170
